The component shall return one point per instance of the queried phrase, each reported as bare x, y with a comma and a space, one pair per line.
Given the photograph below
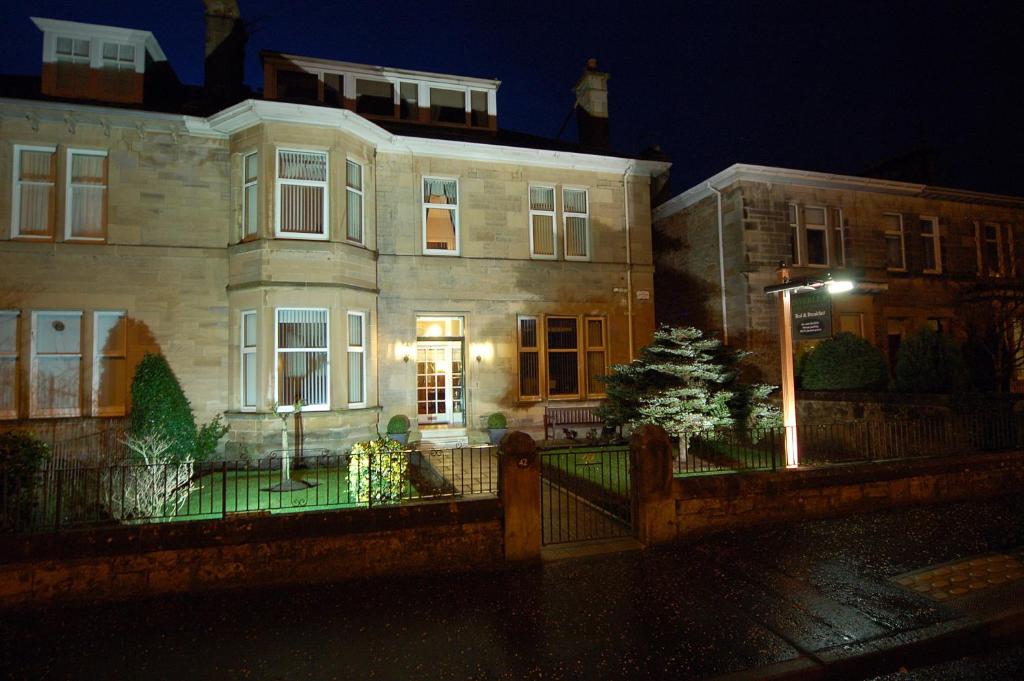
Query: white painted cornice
742, 172
89, 114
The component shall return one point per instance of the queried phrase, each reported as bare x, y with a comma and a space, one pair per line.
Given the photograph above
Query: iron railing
586, 493
729, 450
71, 496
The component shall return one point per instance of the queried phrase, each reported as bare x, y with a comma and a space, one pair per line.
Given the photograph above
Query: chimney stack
225, 53
592, 107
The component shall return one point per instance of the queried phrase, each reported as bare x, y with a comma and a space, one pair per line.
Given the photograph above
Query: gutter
721, 267
629, 257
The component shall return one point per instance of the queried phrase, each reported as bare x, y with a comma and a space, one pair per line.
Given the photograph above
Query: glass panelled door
439, 385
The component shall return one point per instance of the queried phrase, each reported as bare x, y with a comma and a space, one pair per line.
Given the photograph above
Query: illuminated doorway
440, 396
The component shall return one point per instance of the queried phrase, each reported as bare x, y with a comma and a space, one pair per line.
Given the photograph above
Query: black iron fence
67, 496
586, 493
728, 450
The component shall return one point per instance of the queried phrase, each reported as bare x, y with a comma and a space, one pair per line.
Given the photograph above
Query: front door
439, 385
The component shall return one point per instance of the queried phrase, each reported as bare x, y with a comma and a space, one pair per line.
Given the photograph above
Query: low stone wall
148, 560
823, 406
712, 503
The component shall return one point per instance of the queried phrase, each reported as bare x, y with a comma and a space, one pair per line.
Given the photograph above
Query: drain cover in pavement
968, 576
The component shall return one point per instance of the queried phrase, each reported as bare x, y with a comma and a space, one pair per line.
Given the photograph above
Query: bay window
301, 194
354, 195
542, 222
248, 383
110, 364
356, 359
302, 370
250, 195
56, 364
576, 224
440, 216
35, 178
8, 364
85, 208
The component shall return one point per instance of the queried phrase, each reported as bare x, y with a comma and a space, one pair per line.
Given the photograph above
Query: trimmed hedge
159, 406
846, 362
929, 362
22, 456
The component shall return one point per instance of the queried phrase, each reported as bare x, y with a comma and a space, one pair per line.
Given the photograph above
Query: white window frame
67, 193
254, 185
278, 182
794, 224
840, 232
442, 206
42, 413
282, 408
72, 57
243, 351
353, 349
551, 213
565, 222
823, 228
13, 387
118, 63
903, 244
96, 357
936, 245
16, 192
362, 202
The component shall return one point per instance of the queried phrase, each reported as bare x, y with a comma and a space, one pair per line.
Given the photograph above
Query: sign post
788, 383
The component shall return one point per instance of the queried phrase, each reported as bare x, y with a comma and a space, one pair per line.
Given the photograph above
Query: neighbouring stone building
910, 248
365, 239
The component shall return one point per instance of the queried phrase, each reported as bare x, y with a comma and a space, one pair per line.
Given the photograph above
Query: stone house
909, 247
367, 240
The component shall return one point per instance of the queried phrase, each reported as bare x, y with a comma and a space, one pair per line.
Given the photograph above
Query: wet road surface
724, 604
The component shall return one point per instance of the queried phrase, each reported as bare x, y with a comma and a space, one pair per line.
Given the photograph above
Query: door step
442, 438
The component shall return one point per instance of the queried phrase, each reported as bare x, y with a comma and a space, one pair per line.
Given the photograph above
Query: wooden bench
569, 416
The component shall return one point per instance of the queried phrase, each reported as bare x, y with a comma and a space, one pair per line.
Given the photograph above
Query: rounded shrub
159, 406
397, 424
928, 362
846, 362
22, 456
497, 421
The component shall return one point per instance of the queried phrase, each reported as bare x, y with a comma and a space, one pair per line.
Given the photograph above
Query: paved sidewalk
777, 602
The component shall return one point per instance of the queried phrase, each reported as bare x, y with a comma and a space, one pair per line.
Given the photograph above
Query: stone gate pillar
654, 507
520, 496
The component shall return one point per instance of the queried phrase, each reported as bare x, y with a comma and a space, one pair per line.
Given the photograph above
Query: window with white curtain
35, 177
354, 194
357, 359
542, 222
110, 364
8, 364
250, 195
576, 223
248, 360
303, 359
56, 364
440, 216
85, 208
301, 190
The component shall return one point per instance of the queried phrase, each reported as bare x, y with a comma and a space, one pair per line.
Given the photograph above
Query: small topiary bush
398, 424
377, 471
160, 408
497, 421
846, 362
928, 362
22, 456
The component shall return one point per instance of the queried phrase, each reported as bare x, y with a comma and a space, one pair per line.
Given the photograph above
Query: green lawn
606, 467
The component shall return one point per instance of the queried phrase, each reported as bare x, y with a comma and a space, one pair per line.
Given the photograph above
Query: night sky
817, 86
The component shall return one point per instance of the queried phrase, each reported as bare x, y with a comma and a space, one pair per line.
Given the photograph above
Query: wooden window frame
588, 348
97, 357
12, 355
16, 183
903, 243
34, 358
541, 350
822, 227
936, 246
69, 186
531, 349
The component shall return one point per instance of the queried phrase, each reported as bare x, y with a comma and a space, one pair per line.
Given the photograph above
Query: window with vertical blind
542, 222
301, 194
576, 224
250, 195
356, 359
56, 373
354, 195
8, 364
110, 364
85, 207
561, 356
440, 216
248, 383
35, 179
302, 370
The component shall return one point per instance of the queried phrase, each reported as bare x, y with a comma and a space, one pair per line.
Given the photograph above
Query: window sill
289, 236
30, 237
447, 254
81, 240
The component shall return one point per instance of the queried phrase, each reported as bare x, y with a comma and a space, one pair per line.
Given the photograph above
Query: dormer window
375, 97
447, 106
70, 50
118, 56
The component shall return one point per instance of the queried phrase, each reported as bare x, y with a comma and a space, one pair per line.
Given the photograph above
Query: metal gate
585, 493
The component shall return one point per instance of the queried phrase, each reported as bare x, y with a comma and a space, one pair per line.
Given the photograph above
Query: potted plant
398, 428
497, 426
